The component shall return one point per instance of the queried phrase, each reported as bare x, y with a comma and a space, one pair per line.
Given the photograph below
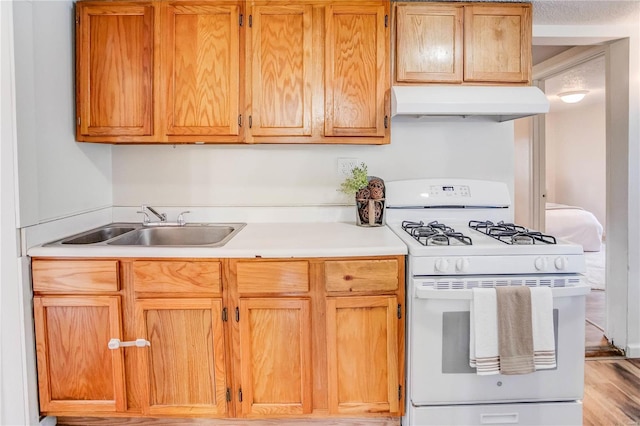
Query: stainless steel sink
188, 235
135, 234
97, 235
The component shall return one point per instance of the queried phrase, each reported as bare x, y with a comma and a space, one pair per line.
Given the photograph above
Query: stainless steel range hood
495, 103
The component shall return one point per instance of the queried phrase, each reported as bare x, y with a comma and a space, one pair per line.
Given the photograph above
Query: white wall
286, 175
522, 172
576, 158
57, 176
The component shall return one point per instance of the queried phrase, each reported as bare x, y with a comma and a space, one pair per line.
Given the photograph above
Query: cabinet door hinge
240, 394
386, 21
237, 314
228, 395
250, 121
399, 311
224, 314
386, 121
240, 120
399, 392
240, 19
78, 120
250, 21
78, 19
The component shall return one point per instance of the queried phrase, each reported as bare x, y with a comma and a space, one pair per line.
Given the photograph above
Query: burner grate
434, 233
510, 233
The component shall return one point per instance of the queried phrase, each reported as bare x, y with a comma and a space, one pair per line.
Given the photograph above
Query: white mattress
575, 225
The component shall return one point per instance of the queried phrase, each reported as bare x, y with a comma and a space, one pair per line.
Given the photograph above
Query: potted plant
369, 196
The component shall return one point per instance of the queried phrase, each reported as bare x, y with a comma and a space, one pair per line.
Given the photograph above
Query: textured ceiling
587, 76
594, 12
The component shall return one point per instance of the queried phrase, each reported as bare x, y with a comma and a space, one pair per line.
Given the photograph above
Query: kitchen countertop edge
259, 240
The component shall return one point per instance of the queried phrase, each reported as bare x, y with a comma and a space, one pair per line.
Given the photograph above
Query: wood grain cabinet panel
75, 276
497, 43
429, 40
273, 277
281, 70
361, 275
114, 70
356, 70
275, 356
155, 276
77, 372
362, 346
201, 69
184, 367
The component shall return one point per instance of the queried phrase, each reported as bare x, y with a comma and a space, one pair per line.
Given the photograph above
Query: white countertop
268, 240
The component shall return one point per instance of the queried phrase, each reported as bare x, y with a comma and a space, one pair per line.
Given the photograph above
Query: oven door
438, 348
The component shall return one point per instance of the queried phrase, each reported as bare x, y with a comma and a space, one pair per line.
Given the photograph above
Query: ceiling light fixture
573, 96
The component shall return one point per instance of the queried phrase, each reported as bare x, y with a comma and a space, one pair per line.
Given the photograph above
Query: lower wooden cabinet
275, 356
247, 338
77, 372
362, 352
184, 366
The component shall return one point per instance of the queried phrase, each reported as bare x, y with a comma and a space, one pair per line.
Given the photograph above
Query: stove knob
442, 265
561, 263
462, 264
541, 263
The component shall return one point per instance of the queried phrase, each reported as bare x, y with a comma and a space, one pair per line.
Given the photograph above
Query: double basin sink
133, 234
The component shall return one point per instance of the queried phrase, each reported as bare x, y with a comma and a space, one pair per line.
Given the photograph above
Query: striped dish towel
544, 345
483, 336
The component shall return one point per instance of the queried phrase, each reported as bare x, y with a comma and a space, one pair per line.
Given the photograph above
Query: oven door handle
467, 294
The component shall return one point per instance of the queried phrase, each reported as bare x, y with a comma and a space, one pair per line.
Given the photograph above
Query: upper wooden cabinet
232, 71
281, 70
114, 71
159, 71
475, 43
200, 68
356, 70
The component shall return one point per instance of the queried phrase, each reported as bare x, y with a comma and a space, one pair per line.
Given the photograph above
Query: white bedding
575, 225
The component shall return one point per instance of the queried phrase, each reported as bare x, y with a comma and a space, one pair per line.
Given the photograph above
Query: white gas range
460, 236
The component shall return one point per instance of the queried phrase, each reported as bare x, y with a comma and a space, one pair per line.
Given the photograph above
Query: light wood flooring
611, 392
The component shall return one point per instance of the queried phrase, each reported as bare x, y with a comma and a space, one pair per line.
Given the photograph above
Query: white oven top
455, 202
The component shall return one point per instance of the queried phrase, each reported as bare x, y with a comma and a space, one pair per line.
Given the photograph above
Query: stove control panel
453, 191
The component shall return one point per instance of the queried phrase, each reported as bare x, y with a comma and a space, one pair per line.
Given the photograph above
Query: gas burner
510, 233
434, 233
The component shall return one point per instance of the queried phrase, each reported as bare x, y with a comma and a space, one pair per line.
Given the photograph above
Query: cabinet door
281, 70
362, 351
184, 367
497, 43
429, 43
201, 69
275, 356
114, 69
77, 372
356, 70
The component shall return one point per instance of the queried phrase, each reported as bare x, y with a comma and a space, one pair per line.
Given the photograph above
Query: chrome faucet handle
145, 219
181, 220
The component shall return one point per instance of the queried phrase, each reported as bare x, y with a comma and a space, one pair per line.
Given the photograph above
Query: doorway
577, 174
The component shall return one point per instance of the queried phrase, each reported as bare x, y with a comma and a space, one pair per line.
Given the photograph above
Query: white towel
544, 346
483, 336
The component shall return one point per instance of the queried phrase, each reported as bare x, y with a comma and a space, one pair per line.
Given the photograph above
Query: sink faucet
145, 221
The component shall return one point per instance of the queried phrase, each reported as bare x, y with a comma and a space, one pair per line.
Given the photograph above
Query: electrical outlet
345, 165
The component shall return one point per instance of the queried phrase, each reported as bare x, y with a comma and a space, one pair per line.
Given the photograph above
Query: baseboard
633, 350
48, 421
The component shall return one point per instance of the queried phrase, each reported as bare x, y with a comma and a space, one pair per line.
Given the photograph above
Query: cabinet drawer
273, 277
176, 277
75, 275
361, 275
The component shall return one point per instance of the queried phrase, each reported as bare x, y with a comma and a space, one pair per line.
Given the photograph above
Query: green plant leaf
356, 181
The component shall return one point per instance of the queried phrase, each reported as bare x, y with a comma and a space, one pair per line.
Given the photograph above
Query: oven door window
455, 342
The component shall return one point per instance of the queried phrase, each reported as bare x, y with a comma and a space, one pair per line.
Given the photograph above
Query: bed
574, 224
